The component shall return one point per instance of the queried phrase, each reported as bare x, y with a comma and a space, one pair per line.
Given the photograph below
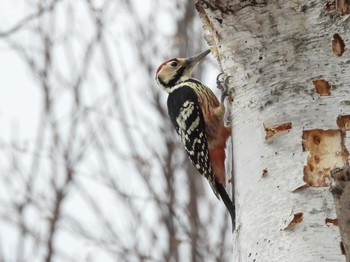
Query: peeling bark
297, 218
277, 129
326, 151
323, 88
341, 193
343, 122
340, 6
338, 45
333, 221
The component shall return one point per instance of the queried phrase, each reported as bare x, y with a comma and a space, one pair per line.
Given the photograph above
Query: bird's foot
222, 83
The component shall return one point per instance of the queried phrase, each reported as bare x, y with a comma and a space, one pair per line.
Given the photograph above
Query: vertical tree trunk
289, 71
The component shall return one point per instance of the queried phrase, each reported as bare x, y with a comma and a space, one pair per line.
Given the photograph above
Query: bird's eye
174, 64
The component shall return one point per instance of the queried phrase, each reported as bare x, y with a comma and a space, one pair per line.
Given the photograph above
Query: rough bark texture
289, 65
340, 189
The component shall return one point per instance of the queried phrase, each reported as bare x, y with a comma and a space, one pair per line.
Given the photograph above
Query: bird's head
177, 70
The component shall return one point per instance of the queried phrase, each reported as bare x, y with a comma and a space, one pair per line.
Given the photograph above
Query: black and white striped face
177, 70
172, 72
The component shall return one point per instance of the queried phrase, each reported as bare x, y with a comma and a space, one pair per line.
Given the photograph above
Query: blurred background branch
98, 174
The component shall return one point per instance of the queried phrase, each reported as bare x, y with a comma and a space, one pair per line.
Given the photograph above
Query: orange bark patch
326, 151
344, 122
265, 172
322, 87
342, 6
298, 218
338, 45
333, 221
275, 129
330, 5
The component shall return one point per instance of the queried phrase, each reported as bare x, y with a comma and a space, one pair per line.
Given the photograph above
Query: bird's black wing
188, 120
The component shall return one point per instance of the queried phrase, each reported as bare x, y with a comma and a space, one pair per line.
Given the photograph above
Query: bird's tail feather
228, 203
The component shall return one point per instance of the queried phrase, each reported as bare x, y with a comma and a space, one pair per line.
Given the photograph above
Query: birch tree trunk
289, 68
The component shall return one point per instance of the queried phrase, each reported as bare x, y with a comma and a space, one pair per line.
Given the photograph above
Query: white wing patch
186, 110
193, 126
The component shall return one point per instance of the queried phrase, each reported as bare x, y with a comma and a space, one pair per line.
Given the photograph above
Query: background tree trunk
289, 71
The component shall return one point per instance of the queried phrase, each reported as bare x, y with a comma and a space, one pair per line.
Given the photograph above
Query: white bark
275, 51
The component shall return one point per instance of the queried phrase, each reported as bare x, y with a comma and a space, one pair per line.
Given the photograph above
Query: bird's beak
194, 60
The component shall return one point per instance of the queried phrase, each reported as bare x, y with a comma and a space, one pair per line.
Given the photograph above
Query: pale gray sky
93, 207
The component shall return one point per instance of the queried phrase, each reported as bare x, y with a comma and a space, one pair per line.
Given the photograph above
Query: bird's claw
222, 83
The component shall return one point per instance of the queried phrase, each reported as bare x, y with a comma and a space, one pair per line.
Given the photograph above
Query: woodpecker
198, 118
